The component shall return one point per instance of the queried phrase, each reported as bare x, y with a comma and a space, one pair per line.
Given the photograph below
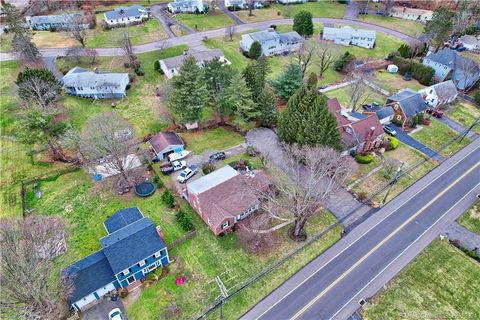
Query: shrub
156, 65
364, 158
255, 50
471, 29
476, 96
343, 61
422, 73
184, 221
208, 167
158, 182
168, 199
394, 143
251, 151
139, 71
472, 253
397, 122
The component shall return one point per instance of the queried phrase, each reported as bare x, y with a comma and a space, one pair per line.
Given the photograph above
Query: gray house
126, 15
448, 64
188, 6
347, 35
94, 84
56, 22
273, 42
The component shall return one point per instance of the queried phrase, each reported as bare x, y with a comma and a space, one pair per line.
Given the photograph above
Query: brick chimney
160, 233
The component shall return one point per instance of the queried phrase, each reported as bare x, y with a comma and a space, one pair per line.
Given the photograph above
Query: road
198, 36
363, 261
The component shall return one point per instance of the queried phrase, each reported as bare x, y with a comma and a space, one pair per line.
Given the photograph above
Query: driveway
457, 127
158, 11
221, 5
100, 311
467, 238
352, 10
50, 64
412, 142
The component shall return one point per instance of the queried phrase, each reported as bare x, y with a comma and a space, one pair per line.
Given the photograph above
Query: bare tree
314, 174
213, 6
74, 53
416, 48
327, 54
128, 49
28, 248
467, 69
251, 5
390, 167
23, 46
230, 32
305, 55
388, 6
358, 89
77, 27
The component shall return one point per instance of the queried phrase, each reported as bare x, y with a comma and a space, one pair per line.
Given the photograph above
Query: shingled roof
79, 77
125, 12
410, 101
200, 56
162, 140
122, 218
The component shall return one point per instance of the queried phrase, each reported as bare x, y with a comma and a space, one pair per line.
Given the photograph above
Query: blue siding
174, 148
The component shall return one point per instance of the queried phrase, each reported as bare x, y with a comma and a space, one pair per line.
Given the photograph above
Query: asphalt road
356, 267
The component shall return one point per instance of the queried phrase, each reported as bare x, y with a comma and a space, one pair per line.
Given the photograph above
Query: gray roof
445, 90
211, 180
200, 56
122, 218
131, 244
264, 35
125, 12
411, 102
79, 77
347, 30
291, 36
60, 18
384, 112
448, 57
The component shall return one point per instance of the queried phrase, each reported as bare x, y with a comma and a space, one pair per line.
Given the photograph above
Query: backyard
471, 219
393, 83
213, 139
413, 28
465, 114
207, 21
343, 96
441, 283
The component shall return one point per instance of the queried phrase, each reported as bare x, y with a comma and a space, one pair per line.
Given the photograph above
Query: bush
208, 167
251, 151
158, 182
422, 73
343, 61
364, 158
139, 71
394, 143
476, 96
184, 221
255, 50
156, 65
168, 199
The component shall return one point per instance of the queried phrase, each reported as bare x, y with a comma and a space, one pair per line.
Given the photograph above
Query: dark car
389, 130
366, 106
437, 113
460, 49
408, 76
217, 156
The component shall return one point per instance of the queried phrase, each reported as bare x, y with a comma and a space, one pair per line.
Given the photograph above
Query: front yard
465, 114
207, 21
412, 28
394, 83
213, 139
471, 219
441, 283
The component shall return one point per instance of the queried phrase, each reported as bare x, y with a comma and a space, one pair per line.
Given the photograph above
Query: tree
388, 5
13, 18
267, 107
303, 23
128, 49
304, 56
467, 68
327, 54
38, 86
230, 32
255, 50
23, 46
29, 247
239, 98
76, 28
464, 17
358, 89
308, 121
288, 82
312, 81
440, 27
189, 92
255, 75
343, 61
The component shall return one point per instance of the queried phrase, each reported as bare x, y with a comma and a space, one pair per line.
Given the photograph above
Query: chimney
160, 233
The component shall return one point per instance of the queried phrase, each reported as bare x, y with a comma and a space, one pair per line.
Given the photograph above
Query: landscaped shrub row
422, 73
394, 143
364, 158
184, 221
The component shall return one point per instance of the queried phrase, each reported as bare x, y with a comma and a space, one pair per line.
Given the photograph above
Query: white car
115, 314
187, 173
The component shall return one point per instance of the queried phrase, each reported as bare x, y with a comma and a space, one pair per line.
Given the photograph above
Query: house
359, 132
132, 248
272, 42
224, 197
94, 84
439, 94
293, 1
57, 22
243, 4
188, 6
171, 66
384, 114
406, 104
448, 64
346, 36
126, 16
164, 143
411, 14
472, 43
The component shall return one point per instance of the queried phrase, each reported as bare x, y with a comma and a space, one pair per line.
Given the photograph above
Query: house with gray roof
126, 16
95, 84
439, 94
170, 66
132, 248
448, 64
188, 6
243, 4
346, 36
272, 42
406, 104
57, 22
294, 1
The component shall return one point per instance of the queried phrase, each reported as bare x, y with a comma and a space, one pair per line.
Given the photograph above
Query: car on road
437, 113
217, 156
115, 314
170, 167
187, 173
389, 130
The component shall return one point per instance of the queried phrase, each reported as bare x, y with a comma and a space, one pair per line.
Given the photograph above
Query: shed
164, 143
392, 68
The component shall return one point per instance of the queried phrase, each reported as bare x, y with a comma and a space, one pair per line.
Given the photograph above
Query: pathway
50, 64
229, 13
352, 10
457, 127
414, 143
467, 238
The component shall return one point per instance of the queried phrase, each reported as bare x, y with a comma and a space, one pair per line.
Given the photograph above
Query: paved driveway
414, 143
457, 127
100, 311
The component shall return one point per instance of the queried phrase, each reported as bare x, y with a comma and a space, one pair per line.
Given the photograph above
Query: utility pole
393, 182
224, 294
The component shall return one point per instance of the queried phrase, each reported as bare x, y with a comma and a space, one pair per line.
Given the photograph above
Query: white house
347, 35
472, 43
57, 22
243, 4
411, 14
126, 15
293, 1
272, 41
170, 66
188, 6
95, 84
439, 94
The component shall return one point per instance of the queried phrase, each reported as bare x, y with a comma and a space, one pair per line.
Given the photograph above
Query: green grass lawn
394, 82
471, 219
230, 49
202, 22
343, 96
213, 139
465, 114
413, 28
436, 135
441, 283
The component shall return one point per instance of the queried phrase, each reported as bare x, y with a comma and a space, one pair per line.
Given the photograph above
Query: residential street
362, 262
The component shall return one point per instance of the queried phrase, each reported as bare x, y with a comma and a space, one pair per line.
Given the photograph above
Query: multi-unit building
126, 15
94, 84
347, 35
272, 42
58, 22
411, 14
188, 6
439, 94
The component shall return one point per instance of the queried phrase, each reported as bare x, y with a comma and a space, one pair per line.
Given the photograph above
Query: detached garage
164, 143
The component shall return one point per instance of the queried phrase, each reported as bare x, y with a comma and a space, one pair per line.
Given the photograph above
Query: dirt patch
253, 241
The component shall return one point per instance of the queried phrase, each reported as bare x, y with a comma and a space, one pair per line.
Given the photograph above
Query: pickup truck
187, 173
170, 167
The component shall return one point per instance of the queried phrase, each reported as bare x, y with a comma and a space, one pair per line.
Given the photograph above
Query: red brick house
224, 197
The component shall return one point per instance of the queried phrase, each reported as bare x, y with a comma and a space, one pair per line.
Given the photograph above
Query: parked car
437, 113
389, 130
366, 106
115, 314
187, 173
408, 76
217, 156
170, 167
323, 86
461, 49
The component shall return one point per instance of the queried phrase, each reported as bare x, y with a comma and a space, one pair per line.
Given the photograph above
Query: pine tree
303, 23
312, 80
308, 121
189, 92
289, 81
267, 107
239, 98
255, 50
255, 75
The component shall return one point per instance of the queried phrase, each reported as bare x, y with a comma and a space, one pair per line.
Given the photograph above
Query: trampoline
145, 189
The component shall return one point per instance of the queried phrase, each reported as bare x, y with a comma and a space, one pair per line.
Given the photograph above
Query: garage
106, 289
85, 301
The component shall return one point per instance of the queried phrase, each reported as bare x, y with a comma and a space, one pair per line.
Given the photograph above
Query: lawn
436, 135
394, 82
441, 283
465, 114
213, 139
413, 28
202, 22
343, 96
471, 219
230, 49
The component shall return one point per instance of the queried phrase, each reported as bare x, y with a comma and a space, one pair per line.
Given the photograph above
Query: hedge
422, 73
364, 159
393, 142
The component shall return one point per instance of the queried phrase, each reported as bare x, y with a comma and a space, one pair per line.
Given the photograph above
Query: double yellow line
346, 273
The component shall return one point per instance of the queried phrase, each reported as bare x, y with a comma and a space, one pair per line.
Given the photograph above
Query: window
125, 272
130, 279
225, 225
157, 254
399, 117
141, 263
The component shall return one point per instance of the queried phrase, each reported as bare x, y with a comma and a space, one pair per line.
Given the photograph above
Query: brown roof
162, 140
336, 108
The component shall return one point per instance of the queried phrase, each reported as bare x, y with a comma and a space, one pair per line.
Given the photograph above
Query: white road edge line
405, 250
362, 235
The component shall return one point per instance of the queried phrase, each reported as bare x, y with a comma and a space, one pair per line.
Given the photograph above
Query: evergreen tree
189, 92
303, 23
440, 27
404, 50
255, 75
308, 121
289, 81
239, 97
267, 107
255, 50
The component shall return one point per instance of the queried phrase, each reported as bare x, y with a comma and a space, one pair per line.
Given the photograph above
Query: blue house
164, 143
58, 22
133, 248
